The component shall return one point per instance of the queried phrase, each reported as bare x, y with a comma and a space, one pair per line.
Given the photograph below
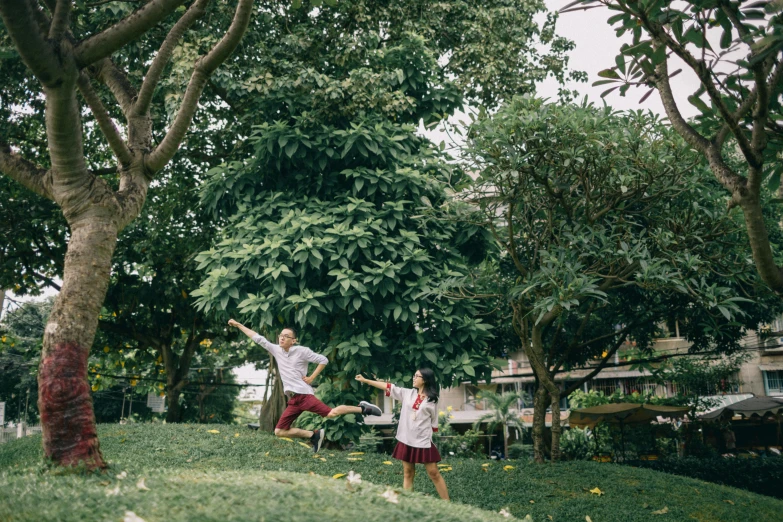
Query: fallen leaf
391, 496
444, 470
354, 458
113, 492
596, 491
550, 517
122, 475
130, 516
338, 475
266, 454
645, 505
588, 519
387, 462
353, 478
505, 513
285, 439
141, 485
532, 501
508, 468
322, 459
282, 481
729, 502
357, 453
305, 445
485, 465
213, 431
661, 511
236, 434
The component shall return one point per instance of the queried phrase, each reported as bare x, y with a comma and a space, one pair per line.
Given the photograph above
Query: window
773, 382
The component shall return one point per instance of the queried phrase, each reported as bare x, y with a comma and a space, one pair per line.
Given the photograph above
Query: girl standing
418, 421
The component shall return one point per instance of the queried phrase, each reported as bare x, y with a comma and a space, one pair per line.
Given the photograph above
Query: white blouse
418, 419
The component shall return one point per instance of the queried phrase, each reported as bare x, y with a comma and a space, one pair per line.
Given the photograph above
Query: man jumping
292, 361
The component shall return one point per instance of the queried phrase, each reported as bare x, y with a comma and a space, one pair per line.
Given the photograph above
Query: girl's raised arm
377, 384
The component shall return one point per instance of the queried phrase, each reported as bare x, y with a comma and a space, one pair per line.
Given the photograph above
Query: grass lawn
195, 474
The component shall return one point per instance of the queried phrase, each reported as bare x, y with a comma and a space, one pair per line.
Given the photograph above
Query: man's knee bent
280, 432
332, 414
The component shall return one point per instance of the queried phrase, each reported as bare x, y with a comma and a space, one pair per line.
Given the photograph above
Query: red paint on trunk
64, 400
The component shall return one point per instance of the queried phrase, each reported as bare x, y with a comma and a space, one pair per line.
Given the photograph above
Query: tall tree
65, 59
735, 49
341, 79
607, 227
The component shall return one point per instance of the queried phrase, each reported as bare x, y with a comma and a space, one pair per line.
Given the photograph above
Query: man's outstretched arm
245, 330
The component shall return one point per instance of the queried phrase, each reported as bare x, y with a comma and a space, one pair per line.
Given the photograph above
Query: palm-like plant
501, 411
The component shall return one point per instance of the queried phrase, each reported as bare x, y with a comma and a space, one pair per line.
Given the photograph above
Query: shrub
577, 444
760, 475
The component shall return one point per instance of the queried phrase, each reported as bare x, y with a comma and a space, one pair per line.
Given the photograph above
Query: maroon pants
298, 404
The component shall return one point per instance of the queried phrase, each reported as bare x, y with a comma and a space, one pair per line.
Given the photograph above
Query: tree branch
105, 43
117, 82
105, 122
205, 66
155, 71
61, 20
21, 22
685, 130
31, 176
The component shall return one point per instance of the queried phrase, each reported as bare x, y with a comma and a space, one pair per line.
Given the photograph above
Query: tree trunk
2, 302
273, 408
505, 440
539, 424
64, 400
174, 413
556, 428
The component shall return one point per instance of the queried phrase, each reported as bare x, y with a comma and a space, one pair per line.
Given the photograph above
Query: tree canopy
735, 50
608, 227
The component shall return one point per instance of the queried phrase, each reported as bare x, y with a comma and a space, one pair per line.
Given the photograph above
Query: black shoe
370, 409
317, 440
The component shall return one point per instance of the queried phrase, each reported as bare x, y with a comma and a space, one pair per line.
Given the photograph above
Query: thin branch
61, 20
690, 134
155, 71
21, 22
108, 41
31, 176
661, 37
110, 131
205, 66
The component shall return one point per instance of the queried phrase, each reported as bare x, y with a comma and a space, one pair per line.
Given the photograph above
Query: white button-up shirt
292, 364
416, 426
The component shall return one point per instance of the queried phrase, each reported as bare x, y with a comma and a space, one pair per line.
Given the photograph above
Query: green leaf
609, 73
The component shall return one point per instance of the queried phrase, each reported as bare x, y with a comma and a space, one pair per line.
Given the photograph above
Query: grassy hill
199, 472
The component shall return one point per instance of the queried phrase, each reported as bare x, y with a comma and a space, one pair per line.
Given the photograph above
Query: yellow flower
449, 408
596, 491
94, 387
387, 462
236, 434
508, 468
106, 349
213, 431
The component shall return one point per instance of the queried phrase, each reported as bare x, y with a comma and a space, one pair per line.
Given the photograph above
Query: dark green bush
760, 475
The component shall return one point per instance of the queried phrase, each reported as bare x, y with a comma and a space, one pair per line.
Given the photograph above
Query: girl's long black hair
431, 387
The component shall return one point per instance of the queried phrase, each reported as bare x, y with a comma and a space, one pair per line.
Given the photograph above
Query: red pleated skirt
406, 453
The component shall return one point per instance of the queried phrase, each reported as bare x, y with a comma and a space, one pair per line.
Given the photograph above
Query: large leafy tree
322, 231
735, 49
67, 48
340, 165
607, 228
